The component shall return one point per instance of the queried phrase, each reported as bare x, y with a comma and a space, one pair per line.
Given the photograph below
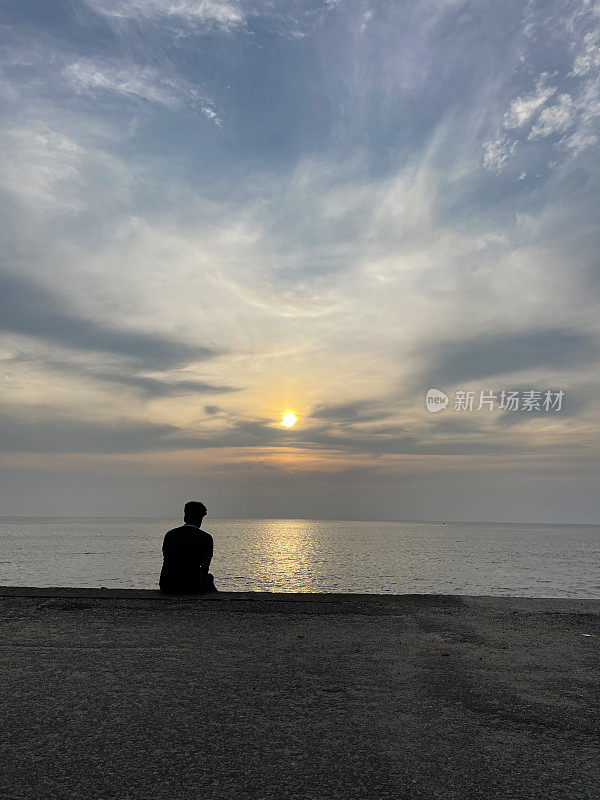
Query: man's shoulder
204, 534
189, 529
173, 531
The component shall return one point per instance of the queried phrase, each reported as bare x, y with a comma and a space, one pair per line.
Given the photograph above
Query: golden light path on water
290, 547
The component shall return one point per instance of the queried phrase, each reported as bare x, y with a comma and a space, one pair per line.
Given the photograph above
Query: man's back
187, 552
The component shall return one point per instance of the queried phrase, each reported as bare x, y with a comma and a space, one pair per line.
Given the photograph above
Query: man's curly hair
193, 510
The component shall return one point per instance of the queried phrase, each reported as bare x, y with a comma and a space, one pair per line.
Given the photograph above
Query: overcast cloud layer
217, 211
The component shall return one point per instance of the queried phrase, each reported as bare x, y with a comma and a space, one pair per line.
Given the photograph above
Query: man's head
194, 512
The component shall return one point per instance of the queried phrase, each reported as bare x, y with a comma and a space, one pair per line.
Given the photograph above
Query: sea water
298, 555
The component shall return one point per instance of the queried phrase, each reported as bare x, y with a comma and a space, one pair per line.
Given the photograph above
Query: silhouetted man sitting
187, 552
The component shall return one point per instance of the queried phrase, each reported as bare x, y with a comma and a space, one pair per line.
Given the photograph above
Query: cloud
554, 119
55, 167
221, 13
497, 152
570, 405
489, 355
42, 167
397, 441
129, 377
366, 19
575, 116
522, 109
587, 59
56, 435
153, 387
29, 309
359, 411
134, 81
30, 431
20, 434
579, 141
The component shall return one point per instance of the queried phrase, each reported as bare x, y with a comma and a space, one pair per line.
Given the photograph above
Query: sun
289, 419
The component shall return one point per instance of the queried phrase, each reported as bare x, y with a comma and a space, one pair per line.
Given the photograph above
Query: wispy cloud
221, 13
130, 80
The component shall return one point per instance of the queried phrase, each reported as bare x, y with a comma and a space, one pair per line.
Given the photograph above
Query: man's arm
165, 546
207, 556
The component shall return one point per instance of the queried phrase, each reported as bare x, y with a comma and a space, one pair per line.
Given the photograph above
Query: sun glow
289, 419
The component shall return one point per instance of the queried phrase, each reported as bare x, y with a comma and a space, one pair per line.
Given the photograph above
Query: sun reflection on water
290, 547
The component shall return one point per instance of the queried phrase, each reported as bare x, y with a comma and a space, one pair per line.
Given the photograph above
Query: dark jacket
187, 552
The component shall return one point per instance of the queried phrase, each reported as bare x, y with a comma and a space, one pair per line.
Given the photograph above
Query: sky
214, 212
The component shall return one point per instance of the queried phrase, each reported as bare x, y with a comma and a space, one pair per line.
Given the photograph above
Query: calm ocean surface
291, 555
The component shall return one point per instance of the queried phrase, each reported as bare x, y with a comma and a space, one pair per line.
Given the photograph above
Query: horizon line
306, 519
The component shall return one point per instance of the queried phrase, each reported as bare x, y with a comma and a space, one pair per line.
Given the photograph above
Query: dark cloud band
31, 310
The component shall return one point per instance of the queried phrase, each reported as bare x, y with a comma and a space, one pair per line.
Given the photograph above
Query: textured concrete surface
126, 694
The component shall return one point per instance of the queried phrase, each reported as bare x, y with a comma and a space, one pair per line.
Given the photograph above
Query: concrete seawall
130, 694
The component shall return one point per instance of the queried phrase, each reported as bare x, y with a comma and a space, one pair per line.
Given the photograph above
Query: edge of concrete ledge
501, 603
104, 593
